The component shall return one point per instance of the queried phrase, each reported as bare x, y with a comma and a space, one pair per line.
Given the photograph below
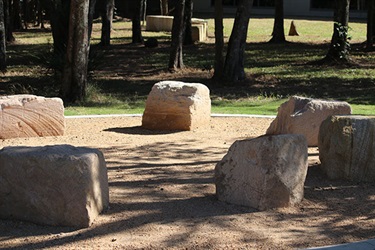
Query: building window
256, 3
264, 3
358, 4
324, 4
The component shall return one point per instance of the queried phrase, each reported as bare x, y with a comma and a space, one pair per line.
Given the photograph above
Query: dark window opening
324, 4
256, 3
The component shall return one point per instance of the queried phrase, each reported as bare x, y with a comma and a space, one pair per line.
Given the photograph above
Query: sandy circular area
162, 195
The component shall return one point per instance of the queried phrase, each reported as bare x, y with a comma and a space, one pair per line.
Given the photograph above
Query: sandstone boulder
300, 115
347, 147
30, 116
173, 105
53, 185
263, 173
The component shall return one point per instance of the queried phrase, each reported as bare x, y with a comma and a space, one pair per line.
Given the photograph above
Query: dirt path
162, 195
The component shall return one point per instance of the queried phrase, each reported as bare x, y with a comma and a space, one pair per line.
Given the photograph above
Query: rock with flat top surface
31, 116
53, 185
173, 105
300, 115
263, 173
347, 148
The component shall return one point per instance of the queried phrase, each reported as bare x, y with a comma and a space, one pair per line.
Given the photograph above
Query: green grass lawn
122, 76
266, 107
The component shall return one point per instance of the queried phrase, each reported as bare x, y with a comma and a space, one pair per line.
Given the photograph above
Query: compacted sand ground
162, 195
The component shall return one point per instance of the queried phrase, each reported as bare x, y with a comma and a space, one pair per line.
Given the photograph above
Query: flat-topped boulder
300, 115
159, 23
53, 185
263, 173
173, 105
165, 23
31, 116
347, 148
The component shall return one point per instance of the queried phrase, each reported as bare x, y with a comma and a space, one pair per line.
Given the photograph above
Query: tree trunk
370, 24
219, 40
3, 64
39, 20
278, 34
74, 82
136, 22
188, 14
8, 21
175, 58
107, 17
25, 6
164, 7
92, 4
234, 63
339, 49
17, 20
59, 12
144, 11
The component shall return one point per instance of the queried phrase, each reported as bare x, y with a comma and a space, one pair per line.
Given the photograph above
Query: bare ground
162, 195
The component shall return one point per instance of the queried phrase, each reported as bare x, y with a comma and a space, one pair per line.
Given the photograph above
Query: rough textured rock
263, 173
347, 147
301, 115
30, 116
173, 105
53, 185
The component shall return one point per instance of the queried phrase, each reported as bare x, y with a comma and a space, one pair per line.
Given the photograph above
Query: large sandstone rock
175, 105
347, 147
30, 116
159, 23
301, 115
53, 185
265, 172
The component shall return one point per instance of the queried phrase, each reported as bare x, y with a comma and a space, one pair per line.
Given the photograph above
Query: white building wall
202, 6
300, 8
296, 7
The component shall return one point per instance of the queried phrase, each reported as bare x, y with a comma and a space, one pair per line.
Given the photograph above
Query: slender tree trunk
136, 22
164, 7
278, 34
8, 21
339, 49
370, 24
144, 12
107, 17
39, 18
234, 62
17, 20
175, 58
74, 82
59, 12
92, 4
188, 40
219, 40
25, 6
3, 64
